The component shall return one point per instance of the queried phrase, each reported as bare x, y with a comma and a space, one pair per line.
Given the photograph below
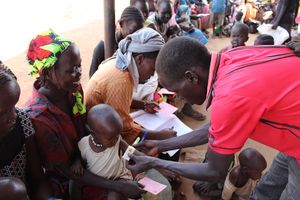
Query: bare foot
207, 189
189, 111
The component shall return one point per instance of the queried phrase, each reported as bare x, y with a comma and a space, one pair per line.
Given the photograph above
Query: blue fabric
183, 2
218, 6
183, 9
198, 35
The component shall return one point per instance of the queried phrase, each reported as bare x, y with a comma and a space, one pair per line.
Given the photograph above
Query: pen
144, 136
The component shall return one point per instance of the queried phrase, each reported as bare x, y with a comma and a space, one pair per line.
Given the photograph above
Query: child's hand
77, 168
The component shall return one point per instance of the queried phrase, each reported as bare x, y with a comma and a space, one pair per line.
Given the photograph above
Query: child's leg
115, 196
75, 190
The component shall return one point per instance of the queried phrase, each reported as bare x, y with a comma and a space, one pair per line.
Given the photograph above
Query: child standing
243, 178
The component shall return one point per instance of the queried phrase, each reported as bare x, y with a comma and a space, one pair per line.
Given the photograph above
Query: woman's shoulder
37, 104
25, 122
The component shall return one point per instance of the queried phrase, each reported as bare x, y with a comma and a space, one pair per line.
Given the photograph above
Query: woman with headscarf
18, 154
58, 115
119, 77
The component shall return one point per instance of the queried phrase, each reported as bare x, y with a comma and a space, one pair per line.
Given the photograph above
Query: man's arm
214, 170
194, 138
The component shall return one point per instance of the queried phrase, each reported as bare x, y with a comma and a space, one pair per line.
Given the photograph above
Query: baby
102, 150
242, 179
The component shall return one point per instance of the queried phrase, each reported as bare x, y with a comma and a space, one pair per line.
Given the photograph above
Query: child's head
252, 163
264, 39
105, 125
12, 188
173, 31
239, 35
239, 16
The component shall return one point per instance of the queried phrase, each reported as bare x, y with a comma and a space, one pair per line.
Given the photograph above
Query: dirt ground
86, 37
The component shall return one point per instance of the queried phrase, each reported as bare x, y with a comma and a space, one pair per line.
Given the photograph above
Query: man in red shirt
253, 92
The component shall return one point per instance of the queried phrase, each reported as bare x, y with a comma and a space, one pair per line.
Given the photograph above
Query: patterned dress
13, 150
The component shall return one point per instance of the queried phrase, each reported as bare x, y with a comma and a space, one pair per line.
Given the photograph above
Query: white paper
280, 34
177, 126
149, 121
159, 122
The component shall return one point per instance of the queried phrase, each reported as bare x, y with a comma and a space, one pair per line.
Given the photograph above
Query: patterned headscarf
44, 50
144, 40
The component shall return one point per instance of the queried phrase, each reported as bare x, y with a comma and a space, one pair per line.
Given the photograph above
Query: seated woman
58, 115
18, 154
119, 77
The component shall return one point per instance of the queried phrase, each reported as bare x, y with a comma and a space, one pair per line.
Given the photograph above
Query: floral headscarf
44, 50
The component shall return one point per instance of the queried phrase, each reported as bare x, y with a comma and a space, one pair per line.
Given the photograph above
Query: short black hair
6, 74
181, 54
131, 13
243, 28
264, 39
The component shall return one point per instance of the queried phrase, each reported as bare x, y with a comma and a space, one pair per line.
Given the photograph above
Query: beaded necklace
95, 143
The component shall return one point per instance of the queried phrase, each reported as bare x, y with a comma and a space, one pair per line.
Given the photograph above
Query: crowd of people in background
68, 141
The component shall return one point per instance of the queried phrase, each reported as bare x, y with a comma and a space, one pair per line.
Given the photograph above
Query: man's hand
166, 134
131, 189
149, 147
139, 163
294, 45
151, 107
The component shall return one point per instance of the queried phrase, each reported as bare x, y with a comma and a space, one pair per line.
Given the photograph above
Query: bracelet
145, 105
144, 137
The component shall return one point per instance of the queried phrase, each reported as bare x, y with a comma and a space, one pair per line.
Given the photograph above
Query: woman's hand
77, 168
151, 107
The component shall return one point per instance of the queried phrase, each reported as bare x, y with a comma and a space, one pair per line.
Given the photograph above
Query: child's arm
123, 145
229, 185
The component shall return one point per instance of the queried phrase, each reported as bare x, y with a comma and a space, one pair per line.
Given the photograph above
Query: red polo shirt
254, 92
